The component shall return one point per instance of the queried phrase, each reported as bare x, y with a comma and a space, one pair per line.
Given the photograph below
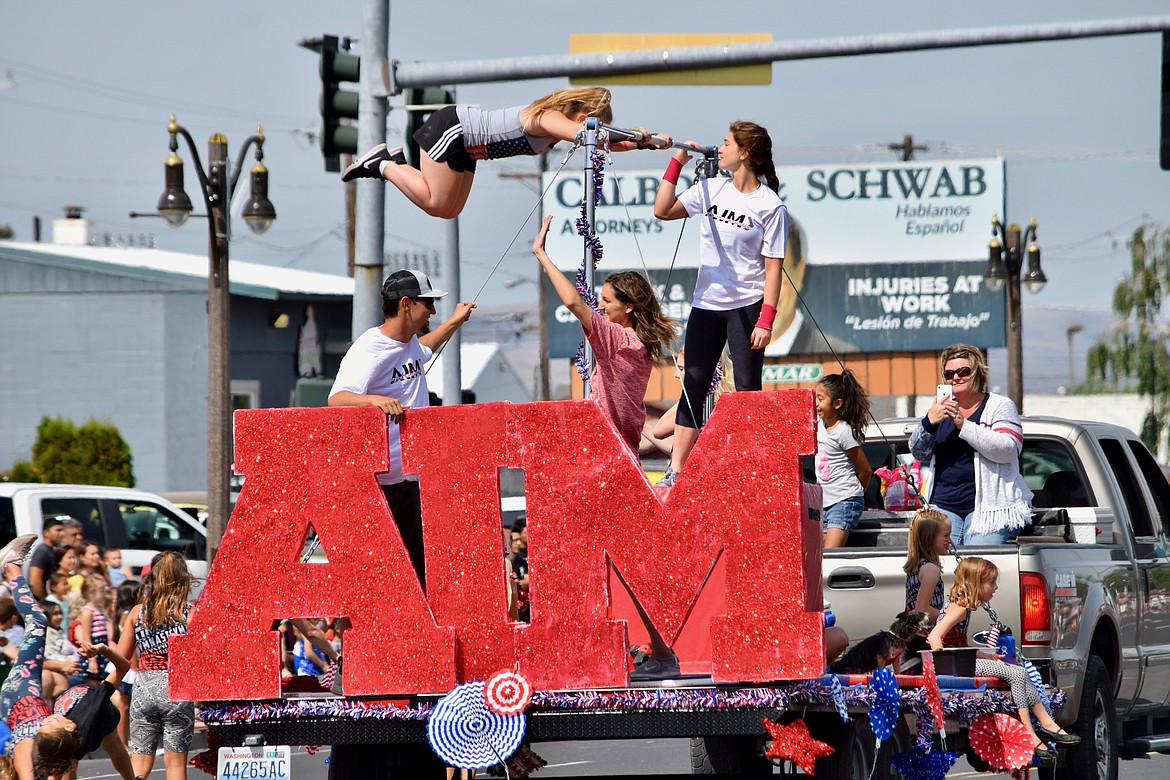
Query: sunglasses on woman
962, 372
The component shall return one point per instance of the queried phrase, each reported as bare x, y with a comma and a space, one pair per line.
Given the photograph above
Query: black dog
884, 647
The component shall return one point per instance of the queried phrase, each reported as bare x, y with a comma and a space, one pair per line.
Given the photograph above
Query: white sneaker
668, 478
17, 550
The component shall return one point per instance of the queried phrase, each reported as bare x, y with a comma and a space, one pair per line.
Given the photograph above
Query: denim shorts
844, 514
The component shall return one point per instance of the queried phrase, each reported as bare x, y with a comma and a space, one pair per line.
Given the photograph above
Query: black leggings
707, 332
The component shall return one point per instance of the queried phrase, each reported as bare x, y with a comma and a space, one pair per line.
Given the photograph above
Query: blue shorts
844, 514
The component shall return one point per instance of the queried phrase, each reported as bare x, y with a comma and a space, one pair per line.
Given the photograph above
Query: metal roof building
120, 335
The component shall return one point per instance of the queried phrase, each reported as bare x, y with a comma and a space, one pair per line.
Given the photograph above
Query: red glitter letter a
311, 467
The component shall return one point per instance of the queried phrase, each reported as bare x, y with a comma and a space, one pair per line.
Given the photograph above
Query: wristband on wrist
767, 317
673, 169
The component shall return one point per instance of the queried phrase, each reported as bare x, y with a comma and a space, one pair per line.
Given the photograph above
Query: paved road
624, 757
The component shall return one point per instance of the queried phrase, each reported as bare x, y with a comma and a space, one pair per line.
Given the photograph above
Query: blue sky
86, 89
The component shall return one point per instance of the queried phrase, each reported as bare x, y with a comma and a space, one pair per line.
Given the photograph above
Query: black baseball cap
412, 284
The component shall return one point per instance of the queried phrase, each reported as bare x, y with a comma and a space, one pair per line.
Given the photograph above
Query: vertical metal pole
1014, 256
453, 352
591, 125
1015, 341
543, 390
218, 346
370, 211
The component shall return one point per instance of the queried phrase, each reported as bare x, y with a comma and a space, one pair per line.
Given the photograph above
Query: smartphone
944, 393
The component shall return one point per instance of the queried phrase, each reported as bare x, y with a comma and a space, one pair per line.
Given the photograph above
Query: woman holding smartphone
973, 438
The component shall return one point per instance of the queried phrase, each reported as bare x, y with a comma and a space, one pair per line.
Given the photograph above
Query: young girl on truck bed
843, 471
976, 581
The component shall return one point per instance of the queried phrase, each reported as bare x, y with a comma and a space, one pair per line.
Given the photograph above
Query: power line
90, 87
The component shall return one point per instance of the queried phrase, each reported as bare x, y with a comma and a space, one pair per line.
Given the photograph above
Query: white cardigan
1002, 498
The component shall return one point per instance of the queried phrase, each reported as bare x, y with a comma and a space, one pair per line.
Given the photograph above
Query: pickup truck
140, 524
1086, 587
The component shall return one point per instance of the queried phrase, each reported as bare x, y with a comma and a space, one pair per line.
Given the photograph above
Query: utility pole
370, 208
907, 150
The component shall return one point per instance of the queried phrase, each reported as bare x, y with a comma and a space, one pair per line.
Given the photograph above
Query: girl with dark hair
843, 471
627, 338
454, 138
741, 251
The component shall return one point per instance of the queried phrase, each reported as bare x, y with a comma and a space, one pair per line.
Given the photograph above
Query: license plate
271, 762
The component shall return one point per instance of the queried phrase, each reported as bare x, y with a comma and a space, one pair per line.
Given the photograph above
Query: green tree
1135, 356
6, 231
94, 454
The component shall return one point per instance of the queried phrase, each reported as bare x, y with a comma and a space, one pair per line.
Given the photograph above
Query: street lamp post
1004, 264
217, 184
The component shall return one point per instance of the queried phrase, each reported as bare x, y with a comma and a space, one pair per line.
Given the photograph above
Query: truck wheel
384, 762
741, 756
853, 748
1095, 758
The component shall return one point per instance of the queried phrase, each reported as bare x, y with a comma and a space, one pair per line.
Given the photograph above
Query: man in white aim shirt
384, 367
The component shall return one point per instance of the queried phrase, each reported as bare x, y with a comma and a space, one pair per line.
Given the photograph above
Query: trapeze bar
631, 134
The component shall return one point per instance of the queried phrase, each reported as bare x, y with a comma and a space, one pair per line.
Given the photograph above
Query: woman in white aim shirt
742, 234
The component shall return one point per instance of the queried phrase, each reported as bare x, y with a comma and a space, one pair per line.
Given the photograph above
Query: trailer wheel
384, 762
743, 756
1095, 758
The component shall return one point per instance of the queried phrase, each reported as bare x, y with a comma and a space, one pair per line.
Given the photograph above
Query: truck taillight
1035, 612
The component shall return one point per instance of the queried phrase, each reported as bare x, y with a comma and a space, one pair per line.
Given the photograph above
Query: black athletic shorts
441, 137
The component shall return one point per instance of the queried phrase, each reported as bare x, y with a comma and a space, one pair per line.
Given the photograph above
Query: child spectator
308, 659
9, 617
92, 624
929, 537
843, 471
59, 595
62, 661
126, 598
112, 558
976, 581
146, 630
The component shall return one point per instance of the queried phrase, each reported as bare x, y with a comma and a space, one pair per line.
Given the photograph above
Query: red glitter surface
588, 505
457, 451
311, 467
795, 743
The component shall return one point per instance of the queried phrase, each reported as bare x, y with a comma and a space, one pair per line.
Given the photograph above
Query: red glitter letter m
587, 499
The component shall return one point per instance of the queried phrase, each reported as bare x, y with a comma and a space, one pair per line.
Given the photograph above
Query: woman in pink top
626, 337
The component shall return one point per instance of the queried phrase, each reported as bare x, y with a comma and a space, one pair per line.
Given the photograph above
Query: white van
138, 523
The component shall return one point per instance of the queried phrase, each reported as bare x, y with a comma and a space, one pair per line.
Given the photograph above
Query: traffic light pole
370, 207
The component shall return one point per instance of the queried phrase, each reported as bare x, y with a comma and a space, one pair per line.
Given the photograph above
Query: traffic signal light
1165, 101
337, 67
421, 102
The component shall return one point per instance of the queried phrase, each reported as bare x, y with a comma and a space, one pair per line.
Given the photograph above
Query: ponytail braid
755, 141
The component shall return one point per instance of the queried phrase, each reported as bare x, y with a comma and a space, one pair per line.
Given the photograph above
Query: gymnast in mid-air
454, 138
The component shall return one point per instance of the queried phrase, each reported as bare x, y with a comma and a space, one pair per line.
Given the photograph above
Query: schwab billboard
885, 257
